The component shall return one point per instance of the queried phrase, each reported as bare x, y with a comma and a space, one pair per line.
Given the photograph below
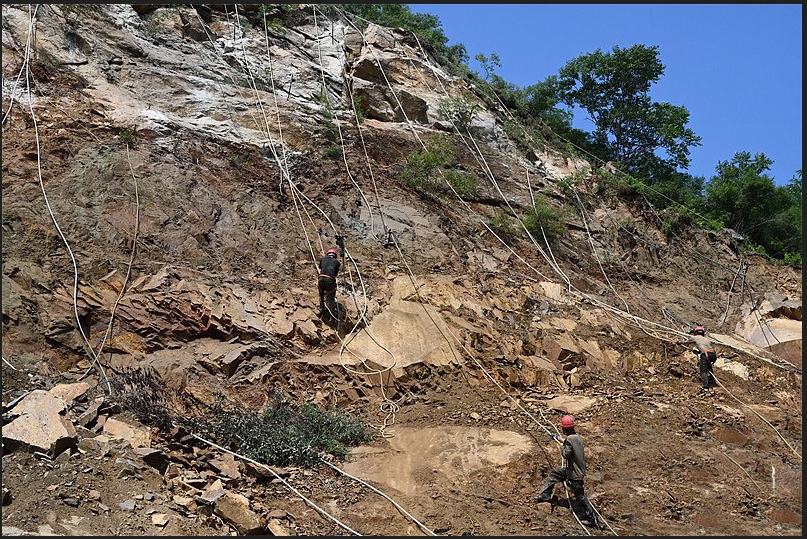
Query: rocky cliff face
171, 176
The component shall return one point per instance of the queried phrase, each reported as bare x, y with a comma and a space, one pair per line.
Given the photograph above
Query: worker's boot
545, 496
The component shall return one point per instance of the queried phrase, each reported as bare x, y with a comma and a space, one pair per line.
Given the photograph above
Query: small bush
464, 183
332, 152
285, 434
794, 259
569, 183
78, 10
675, 221
328, 127
239, 160
127, 136
419, 170
502, 225
360, 109
457, 110
544, 217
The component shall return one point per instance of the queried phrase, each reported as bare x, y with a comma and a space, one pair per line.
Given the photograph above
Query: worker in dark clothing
706, 355
326, 283
573, 471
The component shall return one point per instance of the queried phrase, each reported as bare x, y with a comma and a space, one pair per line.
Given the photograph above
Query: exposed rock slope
197, 163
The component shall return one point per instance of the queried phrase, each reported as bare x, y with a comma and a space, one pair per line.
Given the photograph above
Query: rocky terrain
171, 176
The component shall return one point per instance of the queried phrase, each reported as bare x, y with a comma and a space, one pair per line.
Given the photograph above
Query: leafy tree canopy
613, 88
746, 199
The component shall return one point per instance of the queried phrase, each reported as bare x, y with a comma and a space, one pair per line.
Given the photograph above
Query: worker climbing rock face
573, 472
326, 282
706, 355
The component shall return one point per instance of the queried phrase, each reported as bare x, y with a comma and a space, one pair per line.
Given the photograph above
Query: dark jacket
572, 452
329, 266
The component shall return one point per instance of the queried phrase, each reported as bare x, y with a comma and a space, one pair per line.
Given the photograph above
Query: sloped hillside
171, 177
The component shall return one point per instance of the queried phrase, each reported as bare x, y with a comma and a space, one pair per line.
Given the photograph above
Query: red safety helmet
699, 330
567, 422
333, 252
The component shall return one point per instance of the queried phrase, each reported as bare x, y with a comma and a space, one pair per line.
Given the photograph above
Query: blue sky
735, 67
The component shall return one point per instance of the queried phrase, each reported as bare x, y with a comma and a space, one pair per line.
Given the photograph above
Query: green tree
746, 199
424, 25
489, 64
677, 188
542, 100
789, 223
794, 189
613, 88
496, 91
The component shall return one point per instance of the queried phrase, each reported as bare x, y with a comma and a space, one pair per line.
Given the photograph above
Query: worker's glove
554, 436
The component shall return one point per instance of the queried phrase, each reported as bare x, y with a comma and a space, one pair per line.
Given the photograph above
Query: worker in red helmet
573, 471
326, 282
706, 355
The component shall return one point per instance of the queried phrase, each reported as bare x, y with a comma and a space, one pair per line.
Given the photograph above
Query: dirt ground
221, 298
456, 459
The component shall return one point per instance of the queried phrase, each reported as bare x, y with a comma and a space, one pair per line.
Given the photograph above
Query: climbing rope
88, 346
743, 268
415, 285
778, 434
9, 363
389, 407
25, 62
396, 504
131, 257
283, 481
129, 266
626, 314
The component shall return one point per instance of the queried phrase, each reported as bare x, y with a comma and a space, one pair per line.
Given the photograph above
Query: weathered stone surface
234, 509
153, 457
134, 436
227, 466
559, 347
279, 529
213, 492
222, 265
69, 392
39, 425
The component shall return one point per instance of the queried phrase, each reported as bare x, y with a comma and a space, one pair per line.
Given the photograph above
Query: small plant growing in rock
73, 11
420, 169
465, 184
127, 136
358, 107
502, 225
459, 111
544, 219
239, 160
285, 433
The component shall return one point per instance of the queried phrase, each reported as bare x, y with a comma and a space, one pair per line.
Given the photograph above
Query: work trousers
705, 362
327, 290
558, 475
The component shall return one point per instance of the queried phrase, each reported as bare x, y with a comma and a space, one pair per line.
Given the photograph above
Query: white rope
759, 416
88, 346
131, 257
286, 483
389, 406
24, 68
396, 504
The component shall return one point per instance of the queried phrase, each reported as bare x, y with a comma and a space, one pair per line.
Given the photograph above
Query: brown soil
461, 427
